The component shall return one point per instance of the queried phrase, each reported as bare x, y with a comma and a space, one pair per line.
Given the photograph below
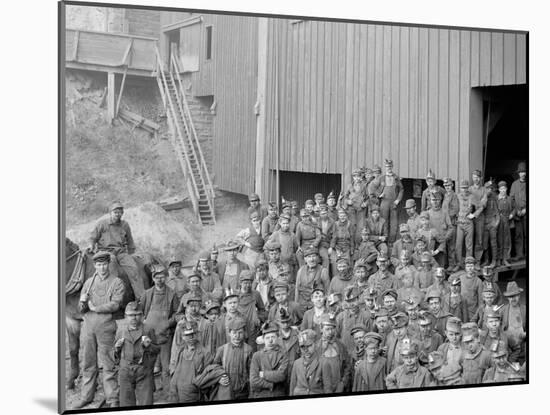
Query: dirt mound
154, 231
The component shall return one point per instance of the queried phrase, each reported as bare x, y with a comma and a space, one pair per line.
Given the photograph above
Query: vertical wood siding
353, 94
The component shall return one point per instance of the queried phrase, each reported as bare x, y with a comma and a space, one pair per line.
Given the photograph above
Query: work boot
506, 263
81, 403
493, 264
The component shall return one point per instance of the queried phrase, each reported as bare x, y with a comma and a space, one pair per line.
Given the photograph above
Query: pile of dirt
154, 230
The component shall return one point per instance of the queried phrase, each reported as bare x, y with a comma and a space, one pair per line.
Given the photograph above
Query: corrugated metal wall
233, 78
354, 94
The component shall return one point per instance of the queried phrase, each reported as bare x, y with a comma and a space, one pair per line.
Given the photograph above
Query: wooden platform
110, 52
514, 266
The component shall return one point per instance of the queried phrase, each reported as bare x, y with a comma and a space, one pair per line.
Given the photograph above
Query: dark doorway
303, 186
173, 44
506, 118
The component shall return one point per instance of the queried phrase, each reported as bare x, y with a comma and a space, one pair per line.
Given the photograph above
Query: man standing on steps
114, 235
478, 193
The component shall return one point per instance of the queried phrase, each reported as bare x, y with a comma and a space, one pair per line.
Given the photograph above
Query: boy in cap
235, 357
308, 375
210, 281
514, 320
357, 352
397, 339
412, 309
360, 276
189, 360
262, 287
425, 274
382, 279
518, 194
136, 351
334, 354
176, 280
490, 226
292, 308
286, 239
476, 360
331, 206
269, 366
404, 243
488, 304
502, 370
313, 316
428, 339
506, 214
465, 223
410, 374
370, 372
252, 240
343, 239
452, 301
270, 222
413, 220
160, 305
231, 268
408, 290
231, 306
389, 301
195, 291
441, 222
100, 297
451, 206
382, 323
479, 198
420, 246
343, 278
440, 316
471, 287
286, 209
251, 305
405, 266
350, 317
434, 244
256, 207
288, 339
334, 304
378, 230
366, 252
211, 330
307, 235
355, 200
440, 283
430, 190
452, 349
326, 225
309, 275
494, 338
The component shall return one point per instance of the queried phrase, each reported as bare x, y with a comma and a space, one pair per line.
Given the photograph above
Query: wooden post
120, 92
260, 109
111, 108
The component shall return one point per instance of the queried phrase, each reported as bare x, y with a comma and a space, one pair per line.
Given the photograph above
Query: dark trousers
521, 236
504, 242
464, 235
136, 385
451, 248
490, 240
479, 227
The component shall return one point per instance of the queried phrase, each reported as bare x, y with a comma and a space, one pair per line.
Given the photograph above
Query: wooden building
298, 104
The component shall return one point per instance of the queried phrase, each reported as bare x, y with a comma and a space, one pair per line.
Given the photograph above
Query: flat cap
133, 308
158, 269
435, 360
211, 305
269, 327
381, 312
424, 215
400, 319
464, 184
246, 275
372, 337
194, 275
454, 324
231, 245
377, 169
410, 203
390, 292
253, 197
433, 293
469, 260
351, 293
409, 349
236, 324
382, 257
260, 262
116, 205
272, 246
307, 337
174, 260
476, 172
357, 329
455, 279
102, 256
522, 167
254, 215
311, 250
334, 298
229, 292
502, 183
204, 256
447, 181
328, 320
430, 174
404, 228
331, 195
388, 162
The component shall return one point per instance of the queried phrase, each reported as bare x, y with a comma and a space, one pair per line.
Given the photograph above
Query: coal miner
389, 192
114, 236
136, 350
101, 296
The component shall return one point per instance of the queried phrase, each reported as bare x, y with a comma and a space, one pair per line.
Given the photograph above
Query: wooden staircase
185, 141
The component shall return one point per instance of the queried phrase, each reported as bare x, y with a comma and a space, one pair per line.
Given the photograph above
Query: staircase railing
184, 161
194, 136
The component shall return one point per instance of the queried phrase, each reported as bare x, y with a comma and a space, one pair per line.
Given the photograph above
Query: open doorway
303, 186
506, 119
173, 44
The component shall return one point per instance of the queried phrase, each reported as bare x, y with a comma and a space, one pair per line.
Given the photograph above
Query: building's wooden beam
111, 96
120, 92
74, 56
261, 164
114, 69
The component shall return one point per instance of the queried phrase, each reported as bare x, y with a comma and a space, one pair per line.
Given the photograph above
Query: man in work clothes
114, 235
159, 305
232, 267
479, 200
410, 374
326, 225
310, 275
414, 218
101, 296
451, 206
270, 222
342, 244
355, 200
492, 219
432, 188
506, 213
176, 280
287, 242
465, 224
307, 234
378, 230
471, 287
390, 192
441, 222
255, 206
514, 322
518, 194
136, 351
